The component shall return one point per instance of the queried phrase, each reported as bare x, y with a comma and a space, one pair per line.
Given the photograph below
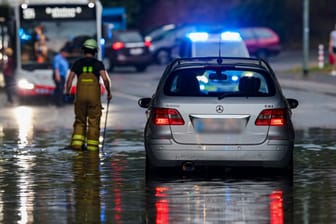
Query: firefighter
87, 103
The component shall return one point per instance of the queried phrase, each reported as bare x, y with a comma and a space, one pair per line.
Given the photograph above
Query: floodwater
42, 183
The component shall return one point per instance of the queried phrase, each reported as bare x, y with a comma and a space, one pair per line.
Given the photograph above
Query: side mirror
293, 103
144, 102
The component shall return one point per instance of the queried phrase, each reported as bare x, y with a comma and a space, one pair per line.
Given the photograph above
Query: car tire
163, 57
290, 168
150, 170
288, 171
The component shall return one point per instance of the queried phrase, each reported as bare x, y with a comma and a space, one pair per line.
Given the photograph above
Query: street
42, 183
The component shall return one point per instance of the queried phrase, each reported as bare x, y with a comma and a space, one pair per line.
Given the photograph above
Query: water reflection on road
315, 176
219, 199
41, 183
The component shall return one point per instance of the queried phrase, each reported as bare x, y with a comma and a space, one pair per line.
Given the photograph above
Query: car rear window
130, 37
263, 33
247, 34
219, 82
212, 48
227, 49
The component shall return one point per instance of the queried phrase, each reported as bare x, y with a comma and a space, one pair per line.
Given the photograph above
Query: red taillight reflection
117, 45
166, 116
161, 205
276, 208
271, 117
162, 211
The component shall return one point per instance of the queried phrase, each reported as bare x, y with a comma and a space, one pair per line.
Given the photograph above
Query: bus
114, 18
43, 27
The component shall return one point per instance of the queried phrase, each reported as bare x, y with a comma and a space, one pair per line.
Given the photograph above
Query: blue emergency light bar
198, 36
204, 36
231, 36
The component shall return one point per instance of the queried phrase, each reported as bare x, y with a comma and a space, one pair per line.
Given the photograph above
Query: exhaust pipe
188, 166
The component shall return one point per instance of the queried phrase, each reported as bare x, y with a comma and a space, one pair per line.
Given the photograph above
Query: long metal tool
104, 132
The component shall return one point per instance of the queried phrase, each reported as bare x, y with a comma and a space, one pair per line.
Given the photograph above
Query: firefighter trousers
88, 111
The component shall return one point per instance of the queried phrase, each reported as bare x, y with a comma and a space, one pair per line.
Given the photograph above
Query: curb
309, 86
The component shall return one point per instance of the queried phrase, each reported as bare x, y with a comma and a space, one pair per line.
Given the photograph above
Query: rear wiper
228, 95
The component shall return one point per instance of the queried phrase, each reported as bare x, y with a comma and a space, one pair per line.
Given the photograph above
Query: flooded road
42, 183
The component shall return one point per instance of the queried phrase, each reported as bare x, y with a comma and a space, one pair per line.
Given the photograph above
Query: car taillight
271, 117
117, 45
166, 116
147, 43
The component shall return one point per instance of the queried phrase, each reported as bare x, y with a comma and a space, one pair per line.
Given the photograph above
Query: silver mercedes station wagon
219, 111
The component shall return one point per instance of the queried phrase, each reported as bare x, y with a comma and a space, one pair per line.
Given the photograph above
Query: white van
204, 44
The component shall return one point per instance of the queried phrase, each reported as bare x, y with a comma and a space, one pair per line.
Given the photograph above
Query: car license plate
136, 51
215, 125
44, 91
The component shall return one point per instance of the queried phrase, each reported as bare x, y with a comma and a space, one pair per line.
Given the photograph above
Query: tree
134, 8
284, 16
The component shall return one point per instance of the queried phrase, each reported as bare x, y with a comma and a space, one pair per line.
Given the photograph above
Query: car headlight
24, 84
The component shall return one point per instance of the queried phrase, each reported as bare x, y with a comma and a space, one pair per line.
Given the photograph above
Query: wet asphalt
288, 67
41, 184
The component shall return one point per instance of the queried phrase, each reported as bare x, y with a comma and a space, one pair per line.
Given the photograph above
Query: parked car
159, 32
218, 111
127, 48
165, 39
171, 41
262, 42
212, 43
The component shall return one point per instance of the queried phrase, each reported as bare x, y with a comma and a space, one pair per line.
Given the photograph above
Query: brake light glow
167, 116
118, 45
271, 117
148, 43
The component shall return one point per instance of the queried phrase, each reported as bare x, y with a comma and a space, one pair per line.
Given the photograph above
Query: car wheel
163, 57
150, 170
289, 169
141, 68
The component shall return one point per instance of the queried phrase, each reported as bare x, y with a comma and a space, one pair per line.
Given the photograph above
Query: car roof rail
231, 61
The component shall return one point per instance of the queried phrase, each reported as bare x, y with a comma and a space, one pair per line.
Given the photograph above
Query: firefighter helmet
90, 44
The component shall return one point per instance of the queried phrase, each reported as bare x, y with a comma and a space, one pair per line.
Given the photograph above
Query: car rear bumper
271, 50
274, 154
36, 91
129, 61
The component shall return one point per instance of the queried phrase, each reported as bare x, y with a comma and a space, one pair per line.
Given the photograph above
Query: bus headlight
24, 84
91, 4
